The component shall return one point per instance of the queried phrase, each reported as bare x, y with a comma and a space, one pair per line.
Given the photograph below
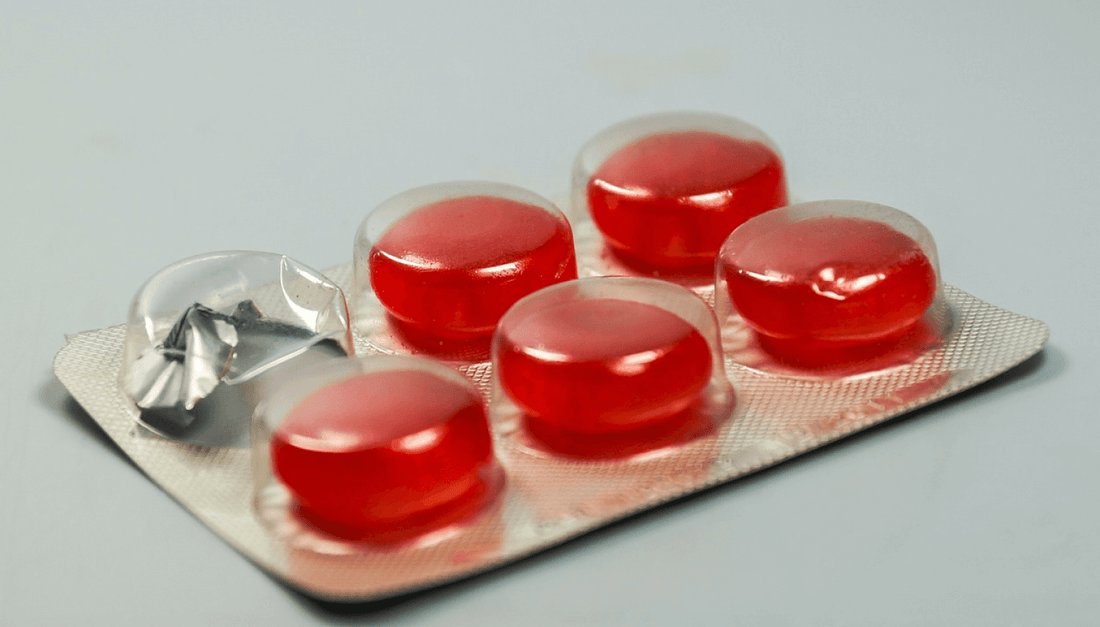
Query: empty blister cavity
207, 337
437, 266
834, 286
611, 366
666, 190
380, 449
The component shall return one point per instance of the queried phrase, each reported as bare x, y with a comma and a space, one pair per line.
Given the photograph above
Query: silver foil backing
544, 499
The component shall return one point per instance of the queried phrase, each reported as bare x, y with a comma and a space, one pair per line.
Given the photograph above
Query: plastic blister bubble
379, 451
210, 335
665, 190
437, 266
610, 367
830, 287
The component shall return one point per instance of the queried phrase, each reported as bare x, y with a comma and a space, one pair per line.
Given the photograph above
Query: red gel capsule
601, 365
806, 274
383, 448
668, 200
450, 269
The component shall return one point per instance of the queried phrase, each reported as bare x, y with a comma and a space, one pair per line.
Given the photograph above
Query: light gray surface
125, 130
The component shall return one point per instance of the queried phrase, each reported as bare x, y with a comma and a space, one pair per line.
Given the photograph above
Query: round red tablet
591, 363
670, 189
447, 268
381, 448
835, 272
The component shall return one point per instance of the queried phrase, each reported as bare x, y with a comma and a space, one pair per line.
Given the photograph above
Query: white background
133, 135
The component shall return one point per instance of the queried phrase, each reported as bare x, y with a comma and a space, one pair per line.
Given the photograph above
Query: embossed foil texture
545, 499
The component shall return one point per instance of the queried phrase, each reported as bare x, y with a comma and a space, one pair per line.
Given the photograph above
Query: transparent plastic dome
612, 364
834, 283
377, 449
208, 336
437, 266
665, 190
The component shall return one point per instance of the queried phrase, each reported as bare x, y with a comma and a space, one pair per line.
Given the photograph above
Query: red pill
383, 448
668, 201
601, 365
832, 279
451, 269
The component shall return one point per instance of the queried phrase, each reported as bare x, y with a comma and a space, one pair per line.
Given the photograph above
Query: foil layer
544, 499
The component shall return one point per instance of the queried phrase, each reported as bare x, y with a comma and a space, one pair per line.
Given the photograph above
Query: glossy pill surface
451, 269
382, 448
828, 279
601, 365
668, 201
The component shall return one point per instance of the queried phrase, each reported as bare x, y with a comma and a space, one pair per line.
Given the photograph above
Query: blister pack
504, 375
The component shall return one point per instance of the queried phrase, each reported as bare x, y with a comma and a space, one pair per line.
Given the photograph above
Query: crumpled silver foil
190, 363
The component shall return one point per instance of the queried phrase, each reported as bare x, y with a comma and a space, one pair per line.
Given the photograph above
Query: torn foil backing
207, 335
